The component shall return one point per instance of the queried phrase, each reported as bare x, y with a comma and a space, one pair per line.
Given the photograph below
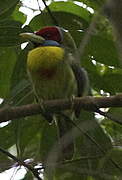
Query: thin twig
21, 163
51, 14
110, 116
87, 35
39, 6
81, 159
72, 161
97, 145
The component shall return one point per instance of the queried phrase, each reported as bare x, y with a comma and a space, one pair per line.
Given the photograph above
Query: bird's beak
32, 37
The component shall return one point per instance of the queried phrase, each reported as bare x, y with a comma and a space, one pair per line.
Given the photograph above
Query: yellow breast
50, 73
46, 57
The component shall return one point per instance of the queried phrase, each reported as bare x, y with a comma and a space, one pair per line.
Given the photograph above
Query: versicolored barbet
56, 74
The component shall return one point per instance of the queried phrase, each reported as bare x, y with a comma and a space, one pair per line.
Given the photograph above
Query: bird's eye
48, 35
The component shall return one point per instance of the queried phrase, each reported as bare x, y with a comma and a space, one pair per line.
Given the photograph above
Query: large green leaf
48, 141
100, 74
7, 62
101, 47
6, 8
39, 21
103, 50
28, 136
21, 90
111, 81
7, 140
72, 8
106, 166
9, 33
76, 16
114, 129
19, 73
7, 136
92, 142
108, 81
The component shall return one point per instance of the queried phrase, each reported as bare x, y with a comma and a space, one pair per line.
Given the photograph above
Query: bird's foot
46, 114
72, 102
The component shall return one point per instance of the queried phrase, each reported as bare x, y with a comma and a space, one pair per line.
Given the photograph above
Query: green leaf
100, 75
92, 141
106, 166
101, 47
28, 136
5, 162
114, 129
7, 140
103, 77
72, 8
7, 136
103, 50
48, 140
38, 21
76, 16
18, 16
9, 33
7, 63
21, 93
111, 82
20, 73
21, 90
6, 8
34, 137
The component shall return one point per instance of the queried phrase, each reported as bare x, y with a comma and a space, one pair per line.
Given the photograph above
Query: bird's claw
72, 102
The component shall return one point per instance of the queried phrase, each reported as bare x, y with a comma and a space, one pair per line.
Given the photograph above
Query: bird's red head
51, 33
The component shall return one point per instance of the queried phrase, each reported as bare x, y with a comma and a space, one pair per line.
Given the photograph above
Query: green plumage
55, 72
53, 78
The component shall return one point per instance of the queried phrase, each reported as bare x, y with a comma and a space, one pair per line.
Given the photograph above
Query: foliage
32, 136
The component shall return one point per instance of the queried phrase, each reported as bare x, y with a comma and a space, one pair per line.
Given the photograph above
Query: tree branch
88, 103
50, 13
22, 163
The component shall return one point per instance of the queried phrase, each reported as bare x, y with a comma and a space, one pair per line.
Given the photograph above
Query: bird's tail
66, 139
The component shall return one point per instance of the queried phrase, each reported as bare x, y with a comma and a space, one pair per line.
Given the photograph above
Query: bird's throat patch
47, 73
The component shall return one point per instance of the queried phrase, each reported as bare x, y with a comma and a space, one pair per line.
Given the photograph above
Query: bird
55, 73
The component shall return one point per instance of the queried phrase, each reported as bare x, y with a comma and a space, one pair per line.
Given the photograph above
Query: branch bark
88, 103
22, 163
